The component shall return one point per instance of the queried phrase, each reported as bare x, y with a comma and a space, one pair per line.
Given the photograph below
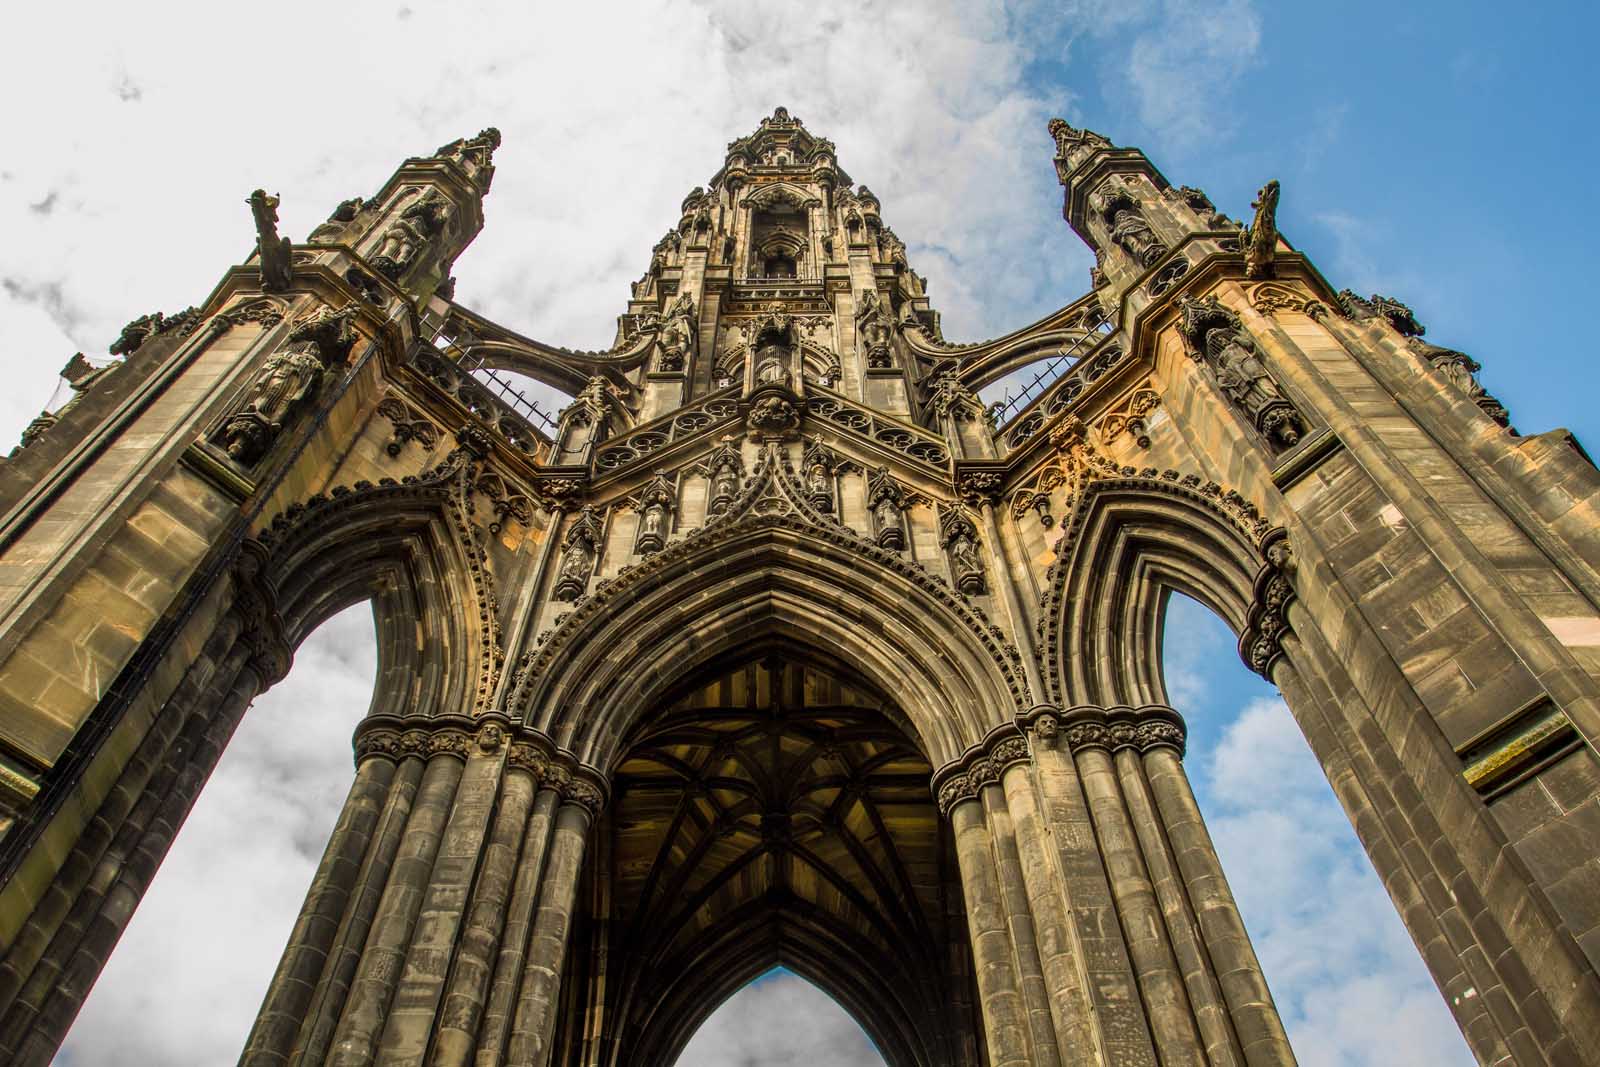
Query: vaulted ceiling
773, 812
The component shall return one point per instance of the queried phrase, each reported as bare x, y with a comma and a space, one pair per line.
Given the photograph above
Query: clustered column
1101, 924
435, 930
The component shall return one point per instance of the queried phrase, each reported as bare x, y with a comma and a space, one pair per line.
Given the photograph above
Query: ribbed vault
771, 811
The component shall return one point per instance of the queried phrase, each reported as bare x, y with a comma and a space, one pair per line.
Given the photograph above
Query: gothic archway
771, 810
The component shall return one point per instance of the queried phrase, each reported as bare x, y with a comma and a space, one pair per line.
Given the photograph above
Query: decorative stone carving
676, 337
1046, 729
407, 236
1197, 201
887, 502
408, 426
287, 382
1131, 417
657, 502
338, 222
772, 416
1073, 146
142, 329
1461, 371
490, 737
1271, 299
1389, 309
1217, 339
726, 469
1260, 238
1129, 230
475, 154
959, 537
578, 559
874, 328
979, 487
1267, 621
275, 251
818, 464
949, 397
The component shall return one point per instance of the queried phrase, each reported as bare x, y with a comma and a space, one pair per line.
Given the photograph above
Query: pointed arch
411, 549
775, 565
1127, 541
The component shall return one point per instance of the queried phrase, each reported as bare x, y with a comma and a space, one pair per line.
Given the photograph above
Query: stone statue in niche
655, 507
874, 328
772, 362
818, 464
274, 250
887, 501
286, 382
577, 565
676, 336
726, 467
409, 235
1132, 233
1219, 341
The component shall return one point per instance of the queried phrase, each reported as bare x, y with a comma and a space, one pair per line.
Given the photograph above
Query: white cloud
126, 194
780, 1021
1348, 981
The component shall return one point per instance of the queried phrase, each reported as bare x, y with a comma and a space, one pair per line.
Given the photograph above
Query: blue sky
1440, 153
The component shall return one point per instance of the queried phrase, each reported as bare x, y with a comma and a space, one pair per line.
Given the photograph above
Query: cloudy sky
1427, 150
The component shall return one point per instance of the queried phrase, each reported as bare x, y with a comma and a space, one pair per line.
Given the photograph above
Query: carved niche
959, 537
1218, 341
657, 502
874, 328
408, 235
577, 562
887, 502
676, 338
818, 465
287, 383
726, 469
1128, 228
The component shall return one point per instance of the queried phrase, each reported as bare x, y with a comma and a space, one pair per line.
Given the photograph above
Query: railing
507, 390
1013, 402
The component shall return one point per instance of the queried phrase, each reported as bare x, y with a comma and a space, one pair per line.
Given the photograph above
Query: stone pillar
1166, 1001
356, 1039
1077, 1036
1005, 1022
1014, 901
475, 956
1255, 1017
495, 1030
534, 1024
1124, 1030
1210, 1010
344, 955
410, 1020
57, 920
294, 985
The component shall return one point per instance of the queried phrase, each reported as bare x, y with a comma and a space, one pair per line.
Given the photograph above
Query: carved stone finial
276, 272
1260, 238
1073, 146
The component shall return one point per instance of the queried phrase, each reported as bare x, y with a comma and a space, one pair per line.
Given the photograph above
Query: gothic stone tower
774, 648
